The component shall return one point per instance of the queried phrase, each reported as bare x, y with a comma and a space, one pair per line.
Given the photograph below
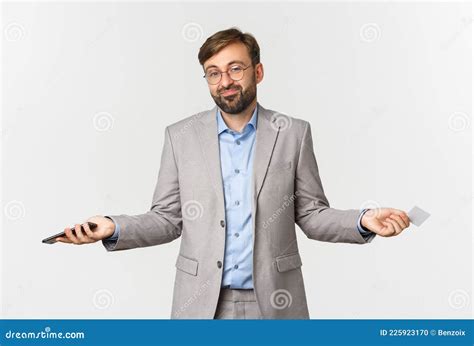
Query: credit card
417, 216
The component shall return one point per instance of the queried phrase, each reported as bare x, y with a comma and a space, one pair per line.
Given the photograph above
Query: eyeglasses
236, 73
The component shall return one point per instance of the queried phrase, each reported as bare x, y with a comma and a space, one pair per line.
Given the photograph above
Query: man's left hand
386, 222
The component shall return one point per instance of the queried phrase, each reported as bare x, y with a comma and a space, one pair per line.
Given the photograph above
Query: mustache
228, 89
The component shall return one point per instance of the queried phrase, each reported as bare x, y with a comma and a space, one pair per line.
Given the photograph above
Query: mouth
229, 92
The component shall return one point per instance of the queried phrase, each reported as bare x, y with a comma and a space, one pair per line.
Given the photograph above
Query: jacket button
219, 264
222, 223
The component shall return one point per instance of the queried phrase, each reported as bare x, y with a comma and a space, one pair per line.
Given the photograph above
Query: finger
63, 240
88, 231
71, 236
401, 213
79, 234
389, 229
395, 225
406, 218
399, 220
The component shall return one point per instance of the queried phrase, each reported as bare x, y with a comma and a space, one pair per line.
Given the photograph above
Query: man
233, 182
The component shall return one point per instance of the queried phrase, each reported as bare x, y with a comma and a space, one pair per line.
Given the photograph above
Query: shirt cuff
116, 231
360, 228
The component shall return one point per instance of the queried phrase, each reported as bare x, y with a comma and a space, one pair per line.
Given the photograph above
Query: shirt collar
222, 126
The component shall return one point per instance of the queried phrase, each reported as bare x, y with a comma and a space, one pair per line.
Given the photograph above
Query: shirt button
219, 264
236, 235
237, 202
222, 223
237, 142
237, 171
236, 266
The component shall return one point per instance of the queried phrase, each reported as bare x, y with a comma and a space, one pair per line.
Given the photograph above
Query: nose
226, 80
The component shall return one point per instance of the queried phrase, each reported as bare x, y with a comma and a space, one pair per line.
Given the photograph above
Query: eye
212, 74
235, 69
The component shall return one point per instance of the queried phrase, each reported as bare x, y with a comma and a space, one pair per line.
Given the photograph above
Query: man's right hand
105, 228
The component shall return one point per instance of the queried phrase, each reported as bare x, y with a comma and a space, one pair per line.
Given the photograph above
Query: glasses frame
222, 72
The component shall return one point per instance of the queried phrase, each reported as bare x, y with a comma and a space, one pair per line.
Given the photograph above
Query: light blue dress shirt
236, 155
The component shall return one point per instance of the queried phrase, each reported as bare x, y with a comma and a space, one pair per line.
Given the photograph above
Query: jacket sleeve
313, 213
163, 222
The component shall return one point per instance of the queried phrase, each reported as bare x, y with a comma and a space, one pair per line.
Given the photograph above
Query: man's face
231, 96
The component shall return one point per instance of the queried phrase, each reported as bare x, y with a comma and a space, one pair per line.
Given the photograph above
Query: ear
259, 72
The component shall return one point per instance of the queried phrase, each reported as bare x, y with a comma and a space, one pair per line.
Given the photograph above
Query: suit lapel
207, 133
267, 133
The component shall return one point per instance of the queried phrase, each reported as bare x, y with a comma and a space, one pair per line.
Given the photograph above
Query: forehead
234, 52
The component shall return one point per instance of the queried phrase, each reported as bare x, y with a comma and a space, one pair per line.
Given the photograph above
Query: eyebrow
230, 63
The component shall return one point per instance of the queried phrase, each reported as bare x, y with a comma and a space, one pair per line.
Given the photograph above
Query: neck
237, 121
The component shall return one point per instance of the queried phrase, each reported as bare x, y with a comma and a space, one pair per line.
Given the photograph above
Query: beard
236, 103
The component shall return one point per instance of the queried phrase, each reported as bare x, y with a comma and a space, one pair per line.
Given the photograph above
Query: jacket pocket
288, 262
187, 265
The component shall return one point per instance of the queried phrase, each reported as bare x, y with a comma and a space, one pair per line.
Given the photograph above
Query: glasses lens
236, 73
213, 77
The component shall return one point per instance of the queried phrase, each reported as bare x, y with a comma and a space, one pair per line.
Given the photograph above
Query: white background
88, 89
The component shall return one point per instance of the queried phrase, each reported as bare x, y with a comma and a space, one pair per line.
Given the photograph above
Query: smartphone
52, 239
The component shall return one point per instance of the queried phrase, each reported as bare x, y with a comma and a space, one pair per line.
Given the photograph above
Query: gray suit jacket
188, 201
